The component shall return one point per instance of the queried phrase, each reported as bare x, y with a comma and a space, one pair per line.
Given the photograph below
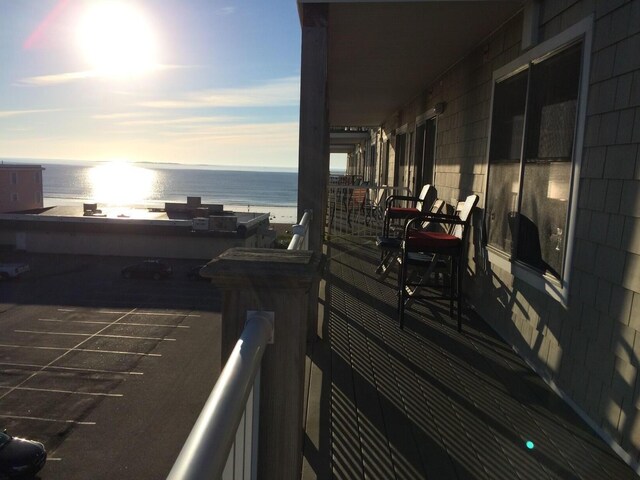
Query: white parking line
52, 420
54, 390
96, 322
67, 351
66, 310
74, 369
152, 313
90, 350
129, 337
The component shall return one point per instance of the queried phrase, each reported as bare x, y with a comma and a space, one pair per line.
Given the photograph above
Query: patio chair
357, 202
419, 205
375, 205
430, 250
391, 246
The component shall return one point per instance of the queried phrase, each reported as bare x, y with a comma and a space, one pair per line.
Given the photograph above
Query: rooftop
111, 214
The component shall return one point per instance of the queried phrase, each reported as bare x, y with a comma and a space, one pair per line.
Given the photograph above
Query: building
20, 187
535, 107
180, 230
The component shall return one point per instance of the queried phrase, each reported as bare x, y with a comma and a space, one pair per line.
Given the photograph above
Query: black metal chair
430, 251
390, 247
419, 205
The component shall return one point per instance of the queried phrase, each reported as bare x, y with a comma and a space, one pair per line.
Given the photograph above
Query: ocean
117, 184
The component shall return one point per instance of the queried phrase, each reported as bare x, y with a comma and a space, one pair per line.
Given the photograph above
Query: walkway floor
426, 401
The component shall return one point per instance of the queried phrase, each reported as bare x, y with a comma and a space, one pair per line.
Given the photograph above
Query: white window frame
558, 289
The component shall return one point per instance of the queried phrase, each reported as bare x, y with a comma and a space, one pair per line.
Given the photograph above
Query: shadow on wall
589, 349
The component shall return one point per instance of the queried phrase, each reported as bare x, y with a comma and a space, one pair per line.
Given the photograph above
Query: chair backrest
380, 196
463, 211
427, 192
436, 207
359, 196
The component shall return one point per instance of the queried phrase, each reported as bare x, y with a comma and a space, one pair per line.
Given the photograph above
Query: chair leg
385, 234
459, 296
402, 276
452, 281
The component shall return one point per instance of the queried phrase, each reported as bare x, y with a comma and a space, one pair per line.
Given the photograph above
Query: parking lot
109, 373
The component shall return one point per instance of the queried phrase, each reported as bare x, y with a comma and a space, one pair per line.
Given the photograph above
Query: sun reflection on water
120, 183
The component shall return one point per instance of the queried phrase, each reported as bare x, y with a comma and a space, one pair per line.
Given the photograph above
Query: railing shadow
458, 398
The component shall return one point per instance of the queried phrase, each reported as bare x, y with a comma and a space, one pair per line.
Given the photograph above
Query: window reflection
528, 195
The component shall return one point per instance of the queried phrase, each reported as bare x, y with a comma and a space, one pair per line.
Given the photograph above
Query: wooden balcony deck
426, 401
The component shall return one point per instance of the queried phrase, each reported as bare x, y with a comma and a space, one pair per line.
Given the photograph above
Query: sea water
273, 192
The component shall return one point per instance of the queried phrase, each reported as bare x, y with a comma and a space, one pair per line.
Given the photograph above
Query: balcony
426, 401
422, 402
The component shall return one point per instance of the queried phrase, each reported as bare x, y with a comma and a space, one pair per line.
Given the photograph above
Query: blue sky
220, 84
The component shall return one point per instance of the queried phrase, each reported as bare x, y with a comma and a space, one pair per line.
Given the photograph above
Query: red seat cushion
421, 240
402, 212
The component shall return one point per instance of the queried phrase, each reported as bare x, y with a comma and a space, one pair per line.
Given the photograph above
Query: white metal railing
358, 210
300, 239
224, 440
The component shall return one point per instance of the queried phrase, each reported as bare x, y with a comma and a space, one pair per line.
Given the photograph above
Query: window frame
582, 31
431, 115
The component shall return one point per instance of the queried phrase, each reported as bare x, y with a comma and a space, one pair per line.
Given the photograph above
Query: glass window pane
504, 160
548, 153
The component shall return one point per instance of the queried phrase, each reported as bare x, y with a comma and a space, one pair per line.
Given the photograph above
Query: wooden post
313, 161
276, 281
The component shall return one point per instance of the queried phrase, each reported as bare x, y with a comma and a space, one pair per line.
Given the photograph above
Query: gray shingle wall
591, 348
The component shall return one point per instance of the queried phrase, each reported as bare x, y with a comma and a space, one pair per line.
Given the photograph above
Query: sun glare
121, 184
117, 39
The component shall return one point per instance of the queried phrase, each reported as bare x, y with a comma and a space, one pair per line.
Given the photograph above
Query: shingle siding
590, 347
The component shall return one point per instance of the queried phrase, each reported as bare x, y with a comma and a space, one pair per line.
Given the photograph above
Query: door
425, 153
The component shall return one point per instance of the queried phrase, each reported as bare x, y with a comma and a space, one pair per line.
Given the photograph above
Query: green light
529, 444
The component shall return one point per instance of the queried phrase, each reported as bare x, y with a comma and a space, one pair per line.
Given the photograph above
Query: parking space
97, 367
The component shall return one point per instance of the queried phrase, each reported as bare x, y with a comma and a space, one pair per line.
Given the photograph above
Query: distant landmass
189, 166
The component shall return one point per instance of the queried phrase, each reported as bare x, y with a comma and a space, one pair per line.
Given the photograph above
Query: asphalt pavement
109, 373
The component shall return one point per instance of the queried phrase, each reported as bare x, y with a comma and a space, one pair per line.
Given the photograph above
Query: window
14, 178
532, 158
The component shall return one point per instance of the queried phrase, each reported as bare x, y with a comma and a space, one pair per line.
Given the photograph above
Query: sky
193, 82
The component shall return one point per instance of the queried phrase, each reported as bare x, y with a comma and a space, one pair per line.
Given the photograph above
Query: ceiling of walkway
383, 54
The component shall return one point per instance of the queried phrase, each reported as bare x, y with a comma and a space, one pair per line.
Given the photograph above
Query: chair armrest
432, 218
443, 216
393, 198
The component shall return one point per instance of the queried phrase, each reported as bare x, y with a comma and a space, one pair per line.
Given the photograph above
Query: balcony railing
300, 239
357, 210
223, 442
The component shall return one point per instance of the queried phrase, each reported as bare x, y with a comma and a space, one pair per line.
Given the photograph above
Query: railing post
278, 281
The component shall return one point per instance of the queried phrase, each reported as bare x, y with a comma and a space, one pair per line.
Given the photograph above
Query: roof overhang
344, 141
383, 54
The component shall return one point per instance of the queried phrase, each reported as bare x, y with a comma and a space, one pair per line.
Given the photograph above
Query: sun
117, 39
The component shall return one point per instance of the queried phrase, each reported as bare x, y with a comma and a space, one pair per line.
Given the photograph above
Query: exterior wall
20, 187
128, 245
135, 240
590, 347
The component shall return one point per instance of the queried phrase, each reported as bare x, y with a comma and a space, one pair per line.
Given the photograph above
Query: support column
277, 281
313, 161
